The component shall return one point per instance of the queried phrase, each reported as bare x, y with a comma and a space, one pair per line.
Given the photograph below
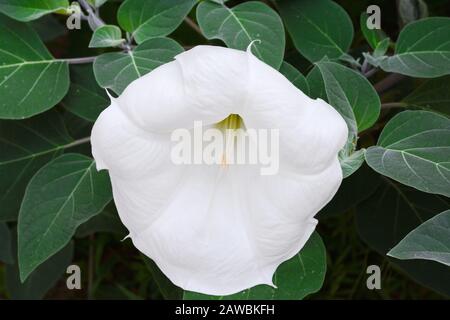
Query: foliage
396, 163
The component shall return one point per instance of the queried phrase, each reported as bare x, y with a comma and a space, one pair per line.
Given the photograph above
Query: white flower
210, 228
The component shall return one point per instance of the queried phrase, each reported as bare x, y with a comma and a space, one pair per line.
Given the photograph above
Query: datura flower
218, 229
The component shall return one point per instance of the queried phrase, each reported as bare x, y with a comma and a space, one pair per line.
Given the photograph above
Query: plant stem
79, 60
193, 25
370, 72
95, 19
77, 142
91, 268
365, 67
388, 82
389, 105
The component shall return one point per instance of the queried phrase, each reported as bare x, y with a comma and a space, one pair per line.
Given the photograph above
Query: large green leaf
414, 149
294, 76
49, 28
25, 146
434, 94
411, 10
429, 241
61, 196
42, 279
86, 98
106, 36
242, 24
389, 215
295, 278
149, 19
31, 81
318, 28
27, 10
422, 49
117, 70
6, 255
348, 92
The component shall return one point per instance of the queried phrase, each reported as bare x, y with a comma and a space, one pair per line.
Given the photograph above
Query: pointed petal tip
111, 97
126, 237
249, 47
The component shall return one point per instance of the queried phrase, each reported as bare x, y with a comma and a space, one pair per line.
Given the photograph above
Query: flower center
232, 122
230, 126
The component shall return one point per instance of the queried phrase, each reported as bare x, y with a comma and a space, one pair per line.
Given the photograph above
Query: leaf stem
389, 105
77, 142
79, 60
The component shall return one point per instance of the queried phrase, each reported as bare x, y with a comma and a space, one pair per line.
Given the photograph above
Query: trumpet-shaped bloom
218, 229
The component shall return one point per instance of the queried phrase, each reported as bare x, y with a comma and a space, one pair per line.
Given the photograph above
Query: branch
193, 25
388, 82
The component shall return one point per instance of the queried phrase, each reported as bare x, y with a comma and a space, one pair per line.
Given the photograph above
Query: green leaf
422, 50
414, 149
352, 162
27, 10
241, 25
429, 241
150, 19
106, 36
42, 279
353, 190
294, 76
348, 92
411, 10
168, 290
97, 3
117, 70
381, 48
31, 81
49, 28
102, 222
6, 255
318, 28
25, 146
373, 36
434, 94
389, 215
61, 196
86, 98
295, 278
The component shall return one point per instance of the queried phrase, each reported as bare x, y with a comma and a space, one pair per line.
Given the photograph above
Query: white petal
212, 229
